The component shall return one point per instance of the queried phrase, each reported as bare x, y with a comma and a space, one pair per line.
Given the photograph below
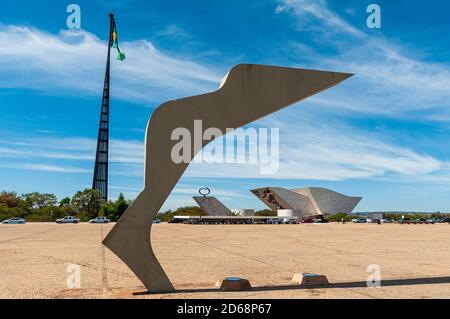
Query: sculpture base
310, 280
235, 284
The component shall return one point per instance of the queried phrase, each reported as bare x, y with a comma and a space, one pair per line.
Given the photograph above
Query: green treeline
39, 207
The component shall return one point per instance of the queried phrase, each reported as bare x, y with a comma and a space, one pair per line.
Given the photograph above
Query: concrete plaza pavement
414, 260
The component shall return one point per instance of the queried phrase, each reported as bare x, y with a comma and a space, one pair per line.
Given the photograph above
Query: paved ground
414, 260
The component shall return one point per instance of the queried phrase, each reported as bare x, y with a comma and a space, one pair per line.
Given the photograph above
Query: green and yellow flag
115, 44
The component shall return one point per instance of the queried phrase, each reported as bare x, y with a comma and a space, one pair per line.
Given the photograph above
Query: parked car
306, 220
321, 221
374, 221
386, 221
290, 221
14, 220
274, 221
157, 221
405, 221
446, 220
359, 220
68, 220
99, 220
421, 221
434, 220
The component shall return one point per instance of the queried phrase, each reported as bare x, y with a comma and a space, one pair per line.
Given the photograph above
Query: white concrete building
309, 201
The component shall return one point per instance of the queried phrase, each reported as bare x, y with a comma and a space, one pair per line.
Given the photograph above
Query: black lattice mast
100, 181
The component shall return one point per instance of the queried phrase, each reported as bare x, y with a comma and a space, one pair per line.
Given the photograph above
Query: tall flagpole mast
100, 180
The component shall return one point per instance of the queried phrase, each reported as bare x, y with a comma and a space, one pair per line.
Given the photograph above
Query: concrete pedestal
310, 280
235, 284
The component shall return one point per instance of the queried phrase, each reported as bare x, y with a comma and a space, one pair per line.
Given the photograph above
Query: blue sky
382, 135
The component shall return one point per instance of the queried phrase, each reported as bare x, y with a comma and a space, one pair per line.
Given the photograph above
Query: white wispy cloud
173, 31
309, 149
390, 79
318, 10
74, 61
313, 150
388, 82
70, 148
45, 168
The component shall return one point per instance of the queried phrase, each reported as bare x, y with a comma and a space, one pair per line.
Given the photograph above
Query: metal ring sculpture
208, 191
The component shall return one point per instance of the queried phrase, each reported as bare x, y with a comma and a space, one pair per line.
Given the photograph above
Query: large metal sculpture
249, 92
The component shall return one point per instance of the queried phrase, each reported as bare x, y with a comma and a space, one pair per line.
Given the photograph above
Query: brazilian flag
115, 44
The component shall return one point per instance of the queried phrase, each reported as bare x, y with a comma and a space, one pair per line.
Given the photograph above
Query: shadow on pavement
353, 284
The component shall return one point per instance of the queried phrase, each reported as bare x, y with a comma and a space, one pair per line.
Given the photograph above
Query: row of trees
414, 216
39, 207
265, 212
87, 204
339, 216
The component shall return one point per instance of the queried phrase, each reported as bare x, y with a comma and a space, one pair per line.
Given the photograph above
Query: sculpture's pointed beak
262, 90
